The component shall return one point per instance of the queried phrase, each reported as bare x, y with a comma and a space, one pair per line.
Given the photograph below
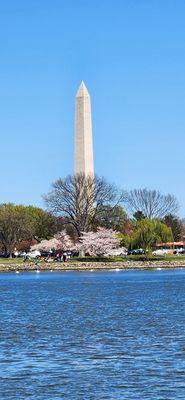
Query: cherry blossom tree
46, 245
61, 241
64, 241
98, 243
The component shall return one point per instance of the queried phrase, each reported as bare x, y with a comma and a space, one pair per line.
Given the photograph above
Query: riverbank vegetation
93, 217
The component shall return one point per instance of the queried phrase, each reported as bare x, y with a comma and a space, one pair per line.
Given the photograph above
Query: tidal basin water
92, 335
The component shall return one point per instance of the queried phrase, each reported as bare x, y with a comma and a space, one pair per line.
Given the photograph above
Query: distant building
170, 245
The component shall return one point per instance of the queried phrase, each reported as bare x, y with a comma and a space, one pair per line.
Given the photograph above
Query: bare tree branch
80, 199
151, 203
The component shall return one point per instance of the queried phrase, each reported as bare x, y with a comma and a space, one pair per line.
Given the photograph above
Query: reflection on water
107, 335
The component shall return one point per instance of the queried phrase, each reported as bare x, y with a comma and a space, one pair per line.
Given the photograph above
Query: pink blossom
100, 242
61, 241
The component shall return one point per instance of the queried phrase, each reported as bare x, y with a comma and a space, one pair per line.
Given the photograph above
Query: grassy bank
140, 258
93, 263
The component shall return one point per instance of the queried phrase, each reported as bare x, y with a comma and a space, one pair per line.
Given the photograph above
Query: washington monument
83, 133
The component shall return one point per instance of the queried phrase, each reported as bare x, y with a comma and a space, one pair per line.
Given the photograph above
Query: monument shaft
84, 163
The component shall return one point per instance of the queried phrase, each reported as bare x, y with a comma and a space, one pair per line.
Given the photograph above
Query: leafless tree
151, 203
80, 199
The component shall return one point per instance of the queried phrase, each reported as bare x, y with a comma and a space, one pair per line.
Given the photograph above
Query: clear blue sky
131, 56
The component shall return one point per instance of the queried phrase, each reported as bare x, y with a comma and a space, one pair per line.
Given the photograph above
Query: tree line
80, 204
21, 225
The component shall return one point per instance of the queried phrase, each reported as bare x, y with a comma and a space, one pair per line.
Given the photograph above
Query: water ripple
93, 336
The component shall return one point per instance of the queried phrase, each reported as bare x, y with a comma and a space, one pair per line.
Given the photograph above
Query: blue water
92, 336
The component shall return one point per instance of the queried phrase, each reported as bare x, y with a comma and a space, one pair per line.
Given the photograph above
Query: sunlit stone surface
83, 133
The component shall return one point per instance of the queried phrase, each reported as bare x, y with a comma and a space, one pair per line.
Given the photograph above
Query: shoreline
89, 266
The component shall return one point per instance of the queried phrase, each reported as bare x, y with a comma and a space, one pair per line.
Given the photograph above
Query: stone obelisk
84, 163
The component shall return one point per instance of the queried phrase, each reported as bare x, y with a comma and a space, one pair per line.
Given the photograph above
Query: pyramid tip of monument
82, 90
